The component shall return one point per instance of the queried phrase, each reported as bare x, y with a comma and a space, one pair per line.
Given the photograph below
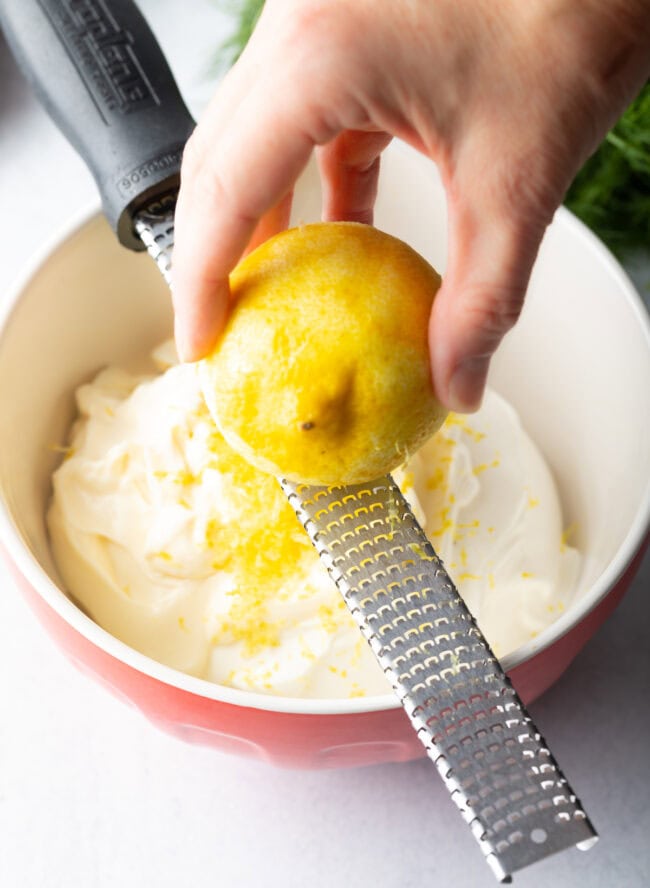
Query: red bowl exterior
295, 740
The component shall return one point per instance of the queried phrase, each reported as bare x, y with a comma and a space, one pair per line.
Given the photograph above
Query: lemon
322, 373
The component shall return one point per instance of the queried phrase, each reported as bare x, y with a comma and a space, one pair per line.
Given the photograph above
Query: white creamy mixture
175, 545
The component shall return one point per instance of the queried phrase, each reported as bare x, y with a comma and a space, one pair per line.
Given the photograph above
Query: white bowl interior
91, 303
576, 368
583, 344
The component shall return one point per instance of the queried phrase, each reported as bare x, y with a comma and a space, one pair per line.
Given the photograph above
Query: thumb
489, 263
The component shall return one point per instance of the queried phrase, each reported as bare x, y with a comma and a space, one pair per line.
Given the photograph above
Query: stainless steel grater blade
474, 727
154, 225
464, 709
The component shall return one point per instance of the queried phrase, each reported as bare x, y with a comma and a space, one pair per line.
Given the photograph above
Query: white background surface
93, 796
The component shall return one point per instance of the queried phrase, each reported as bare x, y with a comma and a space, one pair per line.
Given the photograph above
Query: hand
508, 99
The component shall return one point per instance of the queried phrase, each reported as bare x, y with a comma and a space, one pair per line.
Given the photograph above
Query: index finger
226, 188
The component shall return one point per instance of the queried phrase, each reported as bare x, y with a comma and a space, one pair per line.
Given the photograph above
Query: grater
100, 73
491, 757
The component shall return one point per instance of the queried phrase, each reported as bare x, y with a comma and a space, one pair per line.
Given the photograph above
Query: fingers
199, 320
349, 167
237, 177
226, 188
276, 104
244, 158
489, 263
272, 222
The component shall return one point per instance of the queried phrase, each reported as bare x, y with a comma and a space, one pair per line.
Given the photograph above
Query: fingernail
467, 384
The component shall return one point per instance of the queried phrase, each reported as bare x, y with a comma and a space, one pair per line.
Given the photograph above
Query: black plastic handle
102, 77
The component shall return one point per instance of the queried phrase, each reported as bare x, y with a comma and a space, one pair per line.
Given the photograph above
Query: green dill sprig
611, 193
245, 14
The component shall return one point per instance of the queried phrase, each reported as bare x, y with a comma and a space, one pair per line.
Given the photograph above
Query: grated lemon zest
567, 533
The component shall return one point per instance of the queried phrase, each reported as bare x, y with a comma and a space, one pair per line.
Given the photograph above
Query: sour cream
178, 547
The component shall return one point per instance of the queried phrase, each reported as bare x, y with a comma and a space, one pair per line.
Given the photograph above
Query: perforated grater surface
474, 727
155, 227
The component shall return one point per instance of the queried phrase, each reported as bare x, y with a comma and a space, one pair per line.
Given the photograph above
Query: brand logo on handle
104, 54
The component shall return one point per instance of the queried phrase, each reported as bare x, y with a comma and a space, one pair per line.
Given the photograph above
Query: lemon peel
322, 373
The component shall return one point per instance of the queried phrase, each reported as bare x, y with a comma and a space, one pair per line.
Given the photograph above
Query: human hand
507, 98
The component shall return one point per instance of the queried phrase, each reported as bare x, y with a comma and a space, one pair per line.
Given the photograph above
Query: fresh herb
611, 193
245, 14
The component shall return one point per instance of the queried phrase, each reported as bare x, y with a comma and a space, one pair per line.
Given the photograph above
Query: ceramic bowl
576, 368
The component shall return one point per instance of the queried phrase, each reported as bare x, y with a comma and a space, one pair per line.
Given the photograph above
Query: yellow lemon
322, 373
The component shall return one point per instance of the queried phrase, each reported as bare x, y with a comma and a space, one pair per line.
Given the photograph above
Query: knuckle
493, 310
320, 17
320, 46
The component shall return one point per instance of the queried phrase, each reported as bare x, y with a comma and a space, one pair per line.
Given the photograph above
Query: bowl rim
57, 599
